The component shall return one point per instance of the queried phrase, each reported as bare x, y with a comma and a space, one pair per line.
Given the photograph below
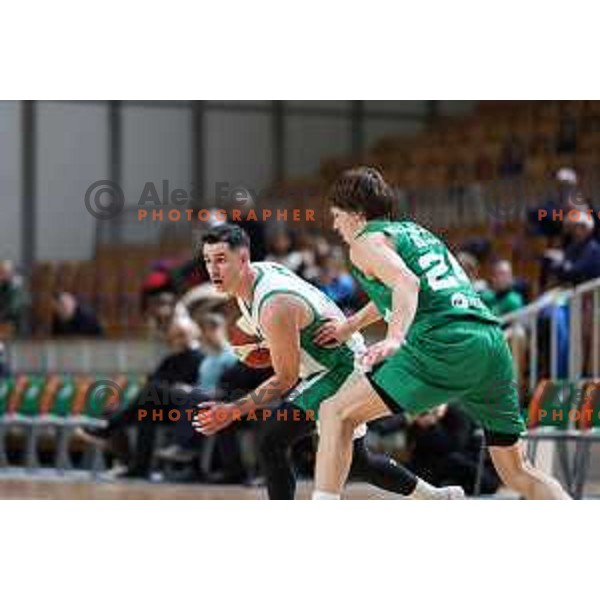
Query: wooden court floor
47, 489
84, 488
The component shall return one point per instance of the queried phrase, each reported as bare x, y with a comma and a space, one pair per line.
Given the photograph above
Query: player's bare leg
354, 404
518, 474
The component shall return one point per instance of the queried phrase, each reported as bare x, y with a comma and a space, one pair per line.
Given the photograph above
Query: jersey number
441, 275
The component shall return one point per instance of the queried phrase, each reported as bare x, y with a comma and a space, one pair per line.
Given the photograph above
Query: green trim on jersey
257, 278
328, 357
259, 275
280, 280
315, 313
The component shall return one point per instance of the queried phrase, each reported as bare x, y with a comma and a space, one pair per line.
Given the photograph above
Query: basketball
248, 347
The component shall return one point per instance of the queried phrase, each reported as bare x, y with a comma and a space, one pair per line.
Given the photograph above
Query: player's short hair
363, 190
233, 235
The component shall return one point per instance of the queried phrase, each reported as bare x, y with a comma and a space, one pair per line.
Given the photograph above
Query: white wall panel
72, 153
10, 180
239, 149
309, 139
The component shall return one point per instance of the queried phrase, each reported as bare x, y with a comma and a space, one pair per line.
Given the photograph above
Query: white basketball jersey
273, 279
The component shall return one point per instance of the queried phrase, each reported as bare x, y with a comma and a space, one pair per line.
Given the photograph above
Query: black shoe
176, 454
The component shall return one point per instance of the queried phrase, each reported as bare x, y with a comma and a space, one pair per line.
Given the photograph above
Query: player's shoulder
268, 271
283, 306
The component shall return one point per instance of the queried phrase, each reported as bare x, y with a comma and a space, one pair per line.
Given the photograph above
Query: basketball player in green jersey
285, 311
442, 343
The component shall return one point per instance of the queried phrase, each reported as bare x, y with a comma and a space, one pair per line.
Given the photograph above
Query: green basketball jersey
273, 279
445, 290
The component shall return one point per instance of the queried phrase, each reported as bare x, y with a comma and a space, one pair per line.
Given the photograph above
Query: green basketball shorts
464, 361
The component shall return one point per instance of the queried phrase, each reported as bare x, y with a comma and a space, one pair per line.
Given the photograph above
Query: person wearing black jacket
581, 258
159, 393
71, 318
445, 450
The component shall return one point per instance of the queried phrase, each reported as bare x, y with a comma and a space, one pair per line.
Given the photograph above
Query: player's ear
245, 255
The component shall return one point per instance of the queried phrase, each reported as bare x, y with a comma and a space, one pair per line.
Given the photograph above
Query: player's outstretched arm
376, 259
281, 321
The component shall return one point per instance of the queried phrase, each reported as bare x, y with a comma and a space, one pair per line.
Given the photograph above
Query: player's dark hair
233, 235
363, 190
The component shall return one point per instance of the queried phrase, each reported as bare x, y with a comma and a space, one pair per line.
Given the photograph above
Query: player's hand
213, 417
332, 333
378, 352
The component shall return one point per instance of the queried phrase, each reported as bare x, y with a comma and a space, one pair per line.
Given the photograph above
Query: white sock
318, 495
424, 491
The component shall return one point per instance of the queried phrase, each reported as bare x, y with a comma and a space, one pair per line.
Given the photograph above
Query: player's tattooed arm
375, 258
281, 320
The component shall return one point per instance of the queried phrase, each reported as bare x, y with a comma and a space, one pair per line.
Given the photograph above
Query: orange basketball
247, 346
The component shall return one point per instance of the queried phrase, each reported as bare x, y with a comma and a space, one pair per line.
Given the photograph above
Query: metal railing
572, 319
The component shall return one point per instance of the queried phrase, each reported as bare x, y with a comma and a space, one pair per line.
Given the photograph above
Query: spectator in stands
566, 197
471, 266
281, 250
502, 297
12, 296
219, 359
580, 260
218, 353
314, 249
161, 392
72, 318
336, 282
159, 308
445, 450
157, 294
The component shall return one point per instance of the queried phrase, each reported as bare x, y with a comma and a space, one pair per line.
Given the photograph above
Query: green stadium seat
551, 405
64, 398
551, 417
23, 410
589, 427
30, 403
6, 389
103, 398
59, 404
135, 383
